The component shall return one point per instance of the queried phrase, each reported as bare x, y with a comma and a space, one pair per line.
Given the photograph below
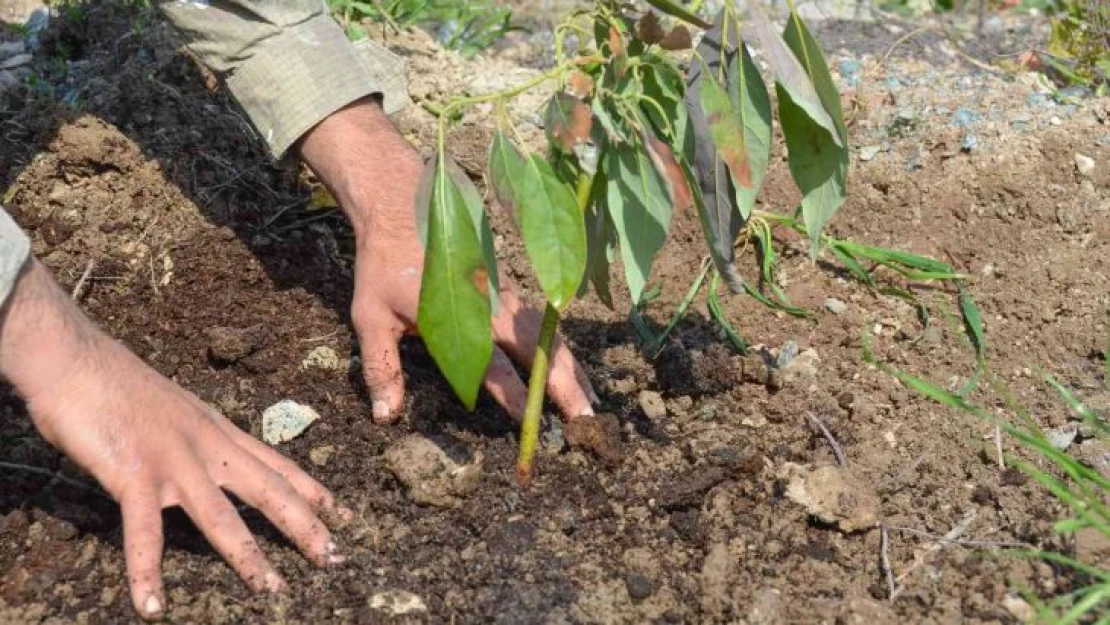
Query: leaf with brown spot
725, 129
650, 29
454, 311
580, 85
667, 166
567, 122
678, 39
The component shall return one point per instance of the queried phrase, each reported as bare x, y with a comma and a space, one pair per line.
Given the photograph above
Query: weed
467, 27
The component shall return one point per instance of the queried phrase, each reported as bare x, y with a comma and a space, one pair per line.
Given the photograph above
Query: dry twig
884, 561
84, 278
837, 451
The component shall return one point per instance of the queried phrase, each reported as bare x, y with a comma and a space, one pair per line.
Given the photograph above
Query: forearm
43, 334
360, 156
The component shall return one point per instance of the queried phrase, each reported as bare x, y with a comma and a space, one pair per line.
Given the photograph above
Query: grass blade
718, 314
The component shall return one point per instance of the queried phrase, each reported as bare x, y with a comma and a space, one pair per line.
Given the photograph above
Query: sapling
641, 125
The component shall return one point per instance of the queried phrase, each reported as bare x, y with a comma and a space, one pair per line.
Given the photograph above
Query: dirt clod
639, 586
599, 435
432, 476
230, 345
833, 495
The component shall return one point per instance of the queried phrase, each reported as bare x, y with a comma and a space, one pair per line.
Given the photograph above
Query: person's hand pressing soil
152, 445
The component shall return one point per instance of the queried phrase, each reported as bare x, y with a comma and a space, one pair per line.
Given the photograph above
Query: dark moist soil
206, 262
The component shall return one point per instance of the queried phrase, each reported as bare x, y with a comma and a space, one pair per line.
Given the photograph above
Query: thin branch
84, 278
999, 544
919, 558
884, 561
837, 451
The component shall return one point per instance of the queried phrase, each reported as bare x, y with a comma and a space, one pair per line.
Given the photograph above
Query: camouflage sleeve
14, 251
287, 62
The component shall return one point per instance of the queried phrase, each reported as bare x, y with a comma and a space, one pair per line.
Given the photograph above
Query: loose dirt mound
194, 237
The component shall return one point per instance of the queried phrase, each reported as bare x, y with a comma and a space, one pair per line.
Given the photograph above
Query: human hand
152, 444
374, 174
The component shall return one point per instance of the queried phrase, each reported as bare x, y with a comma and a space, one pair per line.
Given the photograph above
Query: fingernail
381, 409
152, 605
588, 411
273, 582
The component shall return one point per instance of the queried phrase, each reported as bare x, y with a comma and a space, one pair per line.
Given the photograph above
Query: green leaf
749, 98
600, 244
548, 215
475, 207
808, 52
792, 77
454, 312
819, 167
641, 208
819, 163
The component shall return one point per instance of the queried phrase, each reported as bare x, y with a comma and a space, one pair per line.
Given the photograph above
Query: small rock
323, 357
964, 117
286, 420
845, 400
969, 142
320, 455
230, 345
716, 579
835, 306
652, 404
802, 369
397, 602
1091, 545
432, 476
869, 152
639, 586
1055, 121
1084, 164
787, 354
1018, 608
1096, 454
1062, 437
833, 495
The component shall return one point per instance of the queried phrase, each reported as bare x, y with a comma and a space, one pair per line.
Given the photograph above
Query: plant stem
537, 385
537, 380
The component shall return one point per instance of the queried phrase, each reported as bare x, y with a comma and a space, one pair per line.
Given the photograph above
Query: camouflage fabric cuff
14, 250
309, 71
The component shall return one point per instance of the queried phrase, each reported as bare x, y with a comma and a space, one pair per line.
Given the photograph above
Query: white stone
1084, 164
286, 420
397, 602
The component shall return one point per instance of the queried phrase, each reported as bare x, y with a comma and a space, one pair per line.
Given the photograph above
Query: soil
206, 261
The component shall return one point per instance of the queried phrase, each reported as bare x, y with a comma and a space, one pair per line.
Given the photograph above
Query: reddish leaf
568, 121
726, 130
616, 41
670, 171
678, 39
649, 29
580, 85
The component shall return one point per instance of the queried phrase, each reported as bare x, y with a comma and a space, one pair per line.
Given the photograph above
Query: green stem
537, 385
537, 380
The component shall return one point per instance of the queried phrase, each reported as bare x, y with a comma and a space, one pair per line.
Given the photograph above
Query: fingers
517, 329
268, 491
319, 498
220, 523
142, 546
381, 366
505, 385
